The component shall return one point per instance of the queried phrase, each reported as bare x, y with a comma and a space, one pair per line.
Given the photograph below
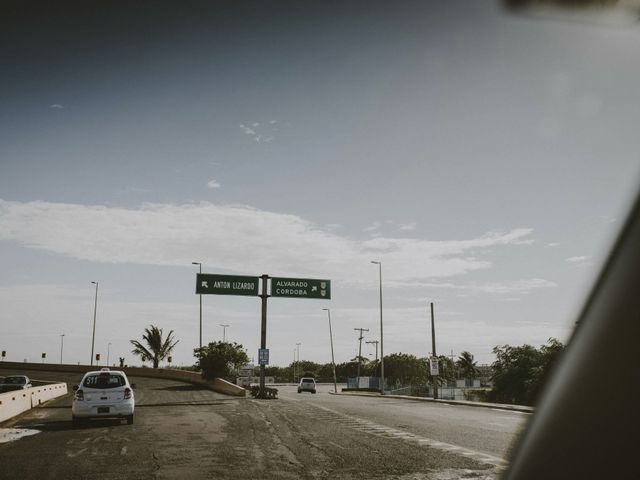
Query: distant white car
102, 394
15, 382
307, 384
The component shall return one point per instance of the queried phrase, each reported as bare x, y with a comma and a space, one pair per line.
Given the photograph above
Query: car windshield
103, 381
15, 381
410, 199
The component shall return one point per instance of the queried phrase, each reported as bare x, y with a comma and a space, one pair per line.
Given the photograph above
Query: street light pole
298, 362
61, 346
108, 352
200, 265
333, 362
224, 331
95, 310
381, 336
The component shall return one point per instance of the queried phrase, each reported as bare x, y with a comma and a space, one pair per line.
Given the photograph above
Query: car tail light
79, 395
127, 393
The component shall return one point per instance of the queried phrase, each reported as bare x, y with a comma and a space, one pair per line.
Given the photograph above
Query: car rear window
307, 380
104, 381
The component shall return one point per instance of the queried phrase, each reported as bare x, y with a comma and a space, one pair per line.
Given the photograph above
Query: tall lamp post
108, 352
298, 362
224, 331
95, 310
333, 362
200, 265
61, 346
381, 337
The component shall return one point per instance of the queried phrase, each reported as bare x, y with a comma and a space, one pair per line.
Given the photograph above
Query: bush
220, 359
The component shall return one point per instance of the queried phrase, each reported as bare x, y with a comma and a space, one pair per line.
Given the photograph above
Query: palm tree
467, 366
157, 349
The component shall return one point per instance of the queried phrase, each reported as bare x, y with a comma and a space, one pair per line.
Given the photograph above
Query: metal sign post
263, 328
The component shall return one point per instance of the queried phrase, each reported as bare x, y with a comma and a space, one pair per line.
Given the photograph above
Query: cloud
247, 130
56, 106
265, 134
408, 226
522, 287
576, 259
246, 240
373, 227
138, 190
213, 184
553, 244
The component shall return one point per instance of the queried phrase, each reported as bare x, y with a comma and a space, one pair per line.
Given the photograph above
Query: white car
307, 384
104, 393
15, 382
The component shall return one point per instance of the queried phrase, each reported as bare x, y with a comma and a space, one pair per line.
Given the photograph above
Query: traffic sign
263, 356
435, 371
207, 283
300, 288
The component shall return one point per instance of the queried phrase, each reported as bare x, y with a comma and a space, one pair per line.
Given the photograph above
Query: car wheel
129, 419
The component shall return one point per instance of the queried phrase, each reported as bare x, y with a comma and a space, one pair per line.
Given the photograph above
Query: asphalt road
181, 431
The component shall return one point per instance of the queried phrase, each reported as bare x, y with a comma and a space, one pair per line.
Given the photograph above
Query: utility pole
360, 349
375, 342
200, 265
95, 310
433, 352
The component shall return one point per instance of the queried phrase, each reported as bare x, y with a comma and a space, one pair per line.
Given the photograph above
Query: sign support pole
433, 348
263, 329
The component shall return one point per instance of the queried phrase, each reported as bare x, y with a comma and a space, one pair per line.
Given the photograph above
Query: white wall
18, 401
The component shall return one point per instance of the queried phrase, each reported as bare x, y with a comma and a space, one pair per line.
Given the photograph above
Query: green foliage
346, 370
519, 372
156, 348
402, 369
220, 359
467, 366
448, 372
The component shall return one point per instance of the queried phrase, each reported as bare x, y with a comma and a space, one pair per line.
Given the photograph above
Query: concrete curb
16, 402
499, 406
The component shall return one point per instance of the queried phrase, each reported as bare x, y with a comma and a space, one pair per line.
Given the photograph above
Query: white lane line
75, 454
389, 432
12, 434
502, 410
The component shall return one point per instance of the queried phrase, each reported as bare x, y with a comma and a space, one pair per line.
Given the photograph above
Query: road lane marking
381, 430
75, 454
13, 434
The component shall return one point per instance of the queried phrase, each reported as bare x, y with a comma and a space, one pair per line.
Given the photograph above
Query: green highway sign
207, 283
300, 288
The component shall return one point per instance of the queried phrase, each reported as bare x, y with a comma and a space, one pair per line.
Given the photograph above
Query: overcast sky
487, 160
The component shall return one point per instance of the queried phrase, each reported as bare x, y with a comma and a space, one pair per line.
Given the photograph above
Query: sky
487, 160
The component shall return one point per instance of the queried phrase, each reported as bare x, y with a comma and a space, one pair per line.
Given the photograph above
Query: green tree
467, 366
519, 372
402, 369
220, 359
447, 370
156, 348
